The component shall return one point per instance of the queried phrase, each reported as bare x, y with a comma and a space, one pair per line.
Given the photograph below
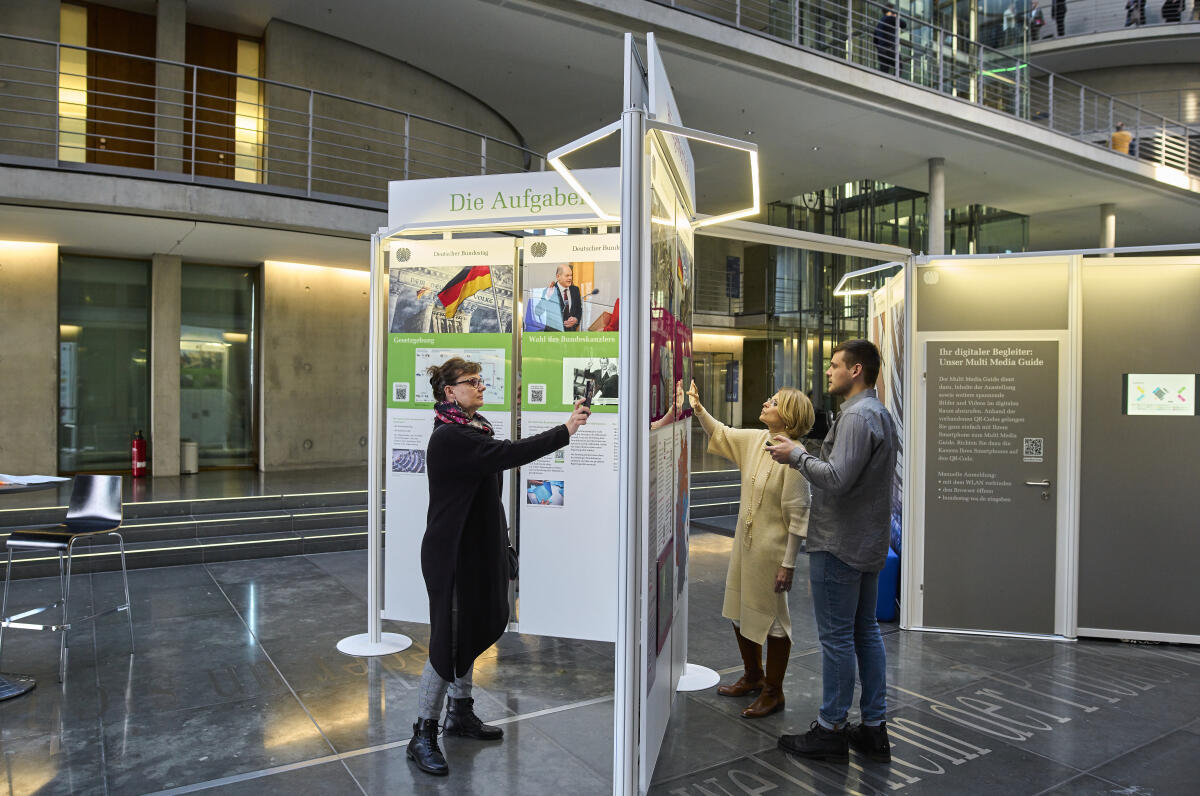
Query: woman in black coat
464, 556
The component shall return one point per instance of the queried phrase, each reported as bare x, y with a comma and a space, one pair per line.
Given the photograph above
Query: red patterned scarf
449, 412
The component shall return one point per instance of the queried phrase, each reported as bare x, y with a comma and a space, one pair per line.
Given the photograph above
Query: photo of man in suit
568, 297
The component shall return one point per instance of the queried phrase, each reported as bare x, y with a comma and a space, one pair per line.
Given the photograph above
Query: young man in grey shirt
848, 535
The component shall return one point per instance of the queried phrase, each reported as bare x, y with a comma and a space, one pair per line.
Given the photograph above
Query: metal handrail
934, 58
300, 141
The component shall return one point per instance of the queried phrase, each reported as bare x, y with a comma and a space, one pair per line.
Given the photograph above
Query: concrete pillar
170, 95
1108, 227
29, 362
166, 275
936, 211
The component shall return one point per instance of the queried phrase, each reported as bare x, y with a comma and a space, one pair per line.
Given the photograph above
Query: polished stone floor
236, 687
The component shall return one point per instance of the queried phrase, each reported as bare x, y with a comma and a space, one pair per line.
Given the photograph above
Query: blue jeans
844, 603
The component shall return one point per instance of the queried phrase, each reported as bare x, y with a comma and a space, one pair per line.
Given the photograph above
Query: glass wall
216, 363
104, 379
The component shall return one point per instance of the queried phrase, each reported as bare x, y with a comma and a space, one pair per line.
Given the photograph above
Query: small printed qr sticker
1034, 448
400, 391
537, 394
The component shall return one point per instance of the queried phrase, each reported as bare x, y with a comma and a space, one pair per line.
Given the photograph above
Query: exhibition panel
568, 518
989, 487
445, 298
540, 309
1140, 432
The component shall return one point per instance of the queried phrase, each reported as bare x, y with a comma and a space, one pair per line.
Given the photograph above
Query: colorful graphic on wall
1163, 394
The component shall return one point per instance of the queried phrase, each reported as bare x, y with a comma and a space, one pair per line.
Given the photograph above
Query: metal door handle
1037, 483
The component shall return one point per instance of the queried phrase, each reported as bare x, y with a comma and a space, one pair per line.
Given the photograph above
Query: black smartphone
589, 391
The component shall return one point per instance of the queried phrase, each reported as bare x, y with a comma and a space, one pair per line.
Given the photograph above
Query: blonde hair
796, 412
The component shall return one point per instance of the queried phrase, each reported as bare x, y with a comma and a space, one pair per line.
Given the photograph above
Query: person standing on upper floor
1121, 138
848, 540
887, 34
1135, 12
1172, 10
1036, 21
1059, 12
1008, 25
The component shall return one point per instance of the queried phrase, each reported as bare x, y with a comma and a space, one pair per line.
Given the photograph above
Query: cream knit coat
775, 500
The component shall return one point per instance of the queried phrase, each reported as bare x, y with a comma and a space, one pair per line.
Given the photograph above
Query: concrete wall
29, 361
1171, 90
308, 58
314, 370
36, 19
165, 283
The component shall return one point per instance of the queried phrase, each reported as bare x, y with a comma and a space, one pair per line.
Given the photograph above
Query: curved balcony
192, 124
1103, 16
941, 60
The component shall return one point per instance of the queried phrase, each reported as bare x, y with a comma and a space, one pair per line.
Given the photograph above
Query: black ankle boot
461, 720
818, 744
871, 742
423, 748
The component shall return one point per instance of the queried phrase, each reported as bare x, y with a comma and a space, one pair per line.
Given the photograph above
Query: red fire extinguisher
138, 453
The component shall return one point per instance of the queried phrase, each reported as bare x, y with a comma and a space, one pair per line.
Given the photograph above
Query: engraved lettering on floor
1012, 708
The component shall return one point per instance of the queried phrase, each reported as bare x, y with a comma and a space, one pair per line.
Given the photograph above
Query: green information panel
410, 354
560, 367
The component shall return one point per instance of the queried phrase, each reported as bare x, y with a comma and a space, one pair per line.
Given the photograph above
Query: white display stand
697, 678
363, 646
636, 563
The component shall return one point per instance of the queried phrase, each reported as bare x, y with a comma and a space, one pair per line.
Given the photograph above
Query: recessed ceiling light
816, 149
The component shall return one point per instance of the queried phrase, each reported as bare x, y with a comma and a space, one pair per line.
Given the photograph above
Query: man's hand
783, 579
571, 323
693, 395
782, 449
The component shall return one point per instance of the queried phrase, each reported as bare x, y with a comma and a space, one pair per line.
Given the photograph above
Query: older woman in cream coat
772, 521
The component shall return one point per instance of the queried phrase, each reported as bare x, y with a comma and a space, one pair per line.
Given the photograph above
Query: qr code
1034, 447
400, 391
537, 393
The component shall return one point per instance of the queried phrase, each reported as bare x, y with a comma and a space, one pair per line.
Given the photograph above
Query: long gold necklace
756, 497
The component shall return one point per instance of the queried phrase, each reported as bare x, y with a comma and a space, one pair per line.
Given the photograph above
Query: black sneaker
871, 742
818, 744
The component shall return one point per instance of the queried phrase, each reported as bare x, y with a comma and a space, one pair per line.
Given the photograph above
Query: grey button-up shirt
852, 484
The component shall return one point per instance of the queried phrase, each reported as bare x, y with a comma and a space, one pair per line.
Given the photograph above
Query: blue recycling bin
889, 588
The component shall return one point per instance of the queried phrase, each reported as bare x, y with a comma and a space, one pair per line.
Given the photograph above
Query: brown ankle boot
751, 681
771, 698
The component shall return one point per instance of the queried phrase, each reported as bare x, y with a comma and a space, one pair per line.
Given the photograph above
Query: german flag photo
465, 284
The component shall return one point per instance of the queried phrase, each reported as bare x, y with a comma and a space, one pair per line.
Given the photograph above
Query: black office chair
95, 509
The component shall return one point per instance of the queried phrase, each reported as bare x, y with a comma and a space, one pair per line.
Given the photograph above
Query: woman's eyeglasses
477, 383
